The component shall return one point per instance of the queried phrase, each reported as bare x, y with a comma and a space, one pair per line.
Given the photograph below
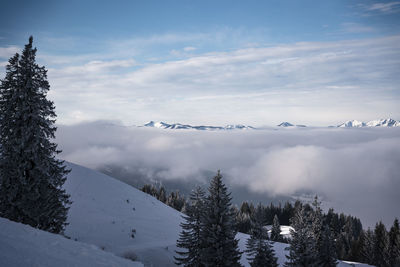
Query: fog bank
356, 170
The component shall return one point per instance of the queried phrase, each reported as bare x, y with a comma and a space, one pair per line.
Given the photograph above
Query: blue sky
216, 62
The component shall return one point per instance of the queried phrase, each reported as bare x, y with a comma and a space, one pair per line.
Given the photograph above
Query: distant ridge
288, 124
348, 124
374, 123
164, 125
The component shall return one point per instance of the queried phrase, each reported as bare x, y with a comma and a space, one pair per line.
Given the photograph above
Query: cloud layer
356, 170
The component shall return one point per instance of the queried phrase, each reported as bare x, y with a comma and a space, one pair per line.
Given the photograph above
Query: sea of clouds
356, 171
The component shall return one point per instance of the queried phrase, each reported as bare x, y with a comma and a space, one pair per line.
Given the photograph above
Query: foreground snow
22, 245
103, 214
105, 211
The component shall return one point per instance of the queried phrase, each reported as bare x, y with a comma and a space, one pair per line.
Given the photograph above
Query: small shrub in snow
133, 233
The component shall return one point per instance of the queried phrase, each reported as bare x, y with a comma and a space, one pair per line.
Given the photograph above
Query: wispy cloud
380, 8
309, 82
189, 48
7, 52
352, 27
269, 84
390, 7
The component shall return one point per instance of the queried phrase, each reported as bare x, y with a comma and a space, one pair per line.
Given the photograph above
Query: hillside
103, 214
22, 245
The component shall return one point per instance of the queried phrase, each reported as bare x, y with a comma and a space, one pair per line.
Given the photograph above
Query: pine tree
368, 247
317, 223
190, 239
259, 249
394, 244
276, 230
327, 250
221, 247
31, 178
381, 246
302, 243
162, 195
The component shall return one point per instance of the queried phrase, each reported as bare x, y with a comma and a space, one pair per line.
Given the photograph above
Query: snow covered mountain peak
285, 124
384, 122
374, 123
163, 125
352, 123
288, 124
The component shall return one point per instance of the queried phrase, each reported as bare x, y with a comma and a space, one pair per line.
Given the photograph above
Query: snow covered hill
374, 123
163, 125
108, 215
106, 212
22, 245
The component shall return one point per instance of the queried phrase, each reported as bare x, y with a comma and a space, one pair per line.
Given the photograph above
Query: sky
212, 62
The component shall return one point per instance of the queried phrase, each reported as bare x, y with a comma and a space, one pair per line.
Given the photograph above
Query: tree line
208, 234
351, 241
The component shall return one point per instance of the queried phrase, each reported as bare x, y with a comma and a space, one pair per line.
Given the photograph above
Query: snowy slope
22, 245
105, 211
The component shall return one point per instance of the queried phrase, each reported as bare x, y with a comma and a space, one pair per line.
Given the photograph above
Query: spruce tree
327, 250
368, 247
394, 244
220, 247
259, 249
316, 226
162, 196
302, 243
381, 246
190, 239
276, 230
31, 178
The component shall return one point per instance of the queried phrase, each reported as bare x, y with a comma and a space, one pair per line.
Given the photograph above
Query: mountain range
374, 123
164, 125
348, 124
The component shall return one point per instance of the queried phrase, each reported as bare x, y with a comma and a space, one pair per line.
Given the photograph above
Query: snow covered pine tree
276, 230
324, 242
220, 247
302, 244
190, 239
31, 178
258, 247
